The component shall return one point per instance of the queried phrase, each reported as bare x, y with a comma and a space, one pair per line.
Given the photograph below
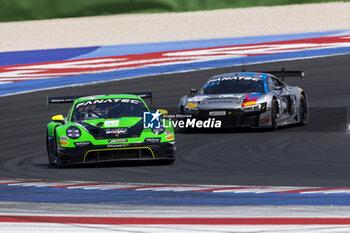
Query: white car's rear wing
290, 73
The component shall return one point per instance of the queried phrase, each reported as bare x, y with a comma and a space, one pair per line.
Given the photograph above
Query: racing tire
59, 162
303, 111
51, 161
274, 115
55, 152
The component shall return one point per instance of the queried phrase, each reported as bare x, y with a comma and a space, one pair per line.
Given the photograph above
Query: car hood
126, 127
220, 101
113, 123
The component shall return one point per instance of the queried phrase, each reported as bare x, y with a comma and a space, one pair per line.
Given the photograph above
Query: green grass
16, 10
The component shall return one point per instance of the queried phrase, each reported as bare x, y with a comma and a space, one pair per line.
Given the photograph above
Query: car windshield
108, 108
232, 85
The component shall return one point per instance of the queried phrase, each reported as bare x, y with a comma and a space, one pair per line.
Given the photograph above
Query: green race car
108, 128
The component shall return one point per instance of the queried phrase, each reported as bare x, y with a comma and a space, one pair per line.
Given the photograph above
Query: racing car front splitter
89, 153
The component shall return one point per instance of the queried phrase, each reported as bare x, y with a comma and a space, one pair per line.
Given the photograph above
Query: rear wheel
274, 115
303, 111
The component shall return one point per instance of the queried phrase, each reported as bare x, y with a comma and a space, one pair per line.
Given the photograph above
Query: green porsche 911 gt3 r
107, 128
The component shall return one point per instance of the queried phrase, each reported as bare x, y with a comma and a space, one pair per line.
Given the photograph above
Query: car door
287, 100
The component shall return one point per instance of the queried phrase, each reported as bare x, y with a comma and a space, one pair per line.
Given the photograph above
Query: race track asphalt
314, 155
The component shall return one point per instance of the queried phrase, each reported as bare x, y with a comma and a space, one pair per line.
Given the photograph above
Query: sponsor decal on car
117, 140
102, 101
170, 137
116, 145
217, 113
251, 99
63, 143
63, 138
152, 140
82, 143
234, 78
111, 123
117, 131
168, 132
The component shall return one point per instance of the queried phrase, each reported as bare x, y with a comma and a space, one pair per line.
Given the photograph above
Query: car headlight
257, 107
158, 131
73, 132
191, 110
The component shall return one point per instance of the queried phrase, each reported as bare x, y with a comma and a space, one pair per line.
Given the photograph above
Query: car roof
109, 96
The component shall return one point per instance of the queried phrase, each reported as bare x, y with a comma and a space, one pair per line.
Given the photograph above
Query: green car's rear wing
71, 99
60, 100
143, 95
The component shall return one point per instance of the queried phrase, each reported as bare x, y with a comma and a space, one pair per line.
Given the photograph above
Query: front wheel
59, 163
274, 115
48, 146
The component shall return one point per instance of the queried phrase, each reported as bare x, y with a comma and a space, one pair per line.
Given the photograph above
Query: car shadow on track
112, 164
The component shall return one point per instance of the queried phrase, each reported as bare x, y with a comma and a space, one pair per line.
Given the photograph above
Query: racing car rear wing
283, 73
143, 95
60, 100
71, 99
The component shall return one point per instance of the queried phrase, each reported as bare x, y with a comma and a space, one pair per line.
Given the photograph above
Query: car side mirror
193, 91
58, 119
162, 111
278, 88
